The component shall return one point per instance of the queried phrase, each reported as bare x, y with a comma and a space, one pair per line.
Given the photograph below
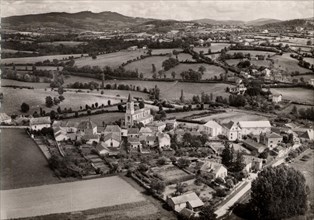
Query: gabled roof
146, 130
249, 159
273, 135
112, 136
309, 134
89, 137
112, 128
229, 124
191, 197
87, 125
133, 131
214, 167
40, 121
4, 117
212, 124
254, 124
133, 140
151, 138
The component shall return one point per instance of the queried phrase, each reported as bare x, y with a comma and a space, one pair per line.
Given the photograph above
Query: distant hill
305, 23
84, 20
262, 21
219, 22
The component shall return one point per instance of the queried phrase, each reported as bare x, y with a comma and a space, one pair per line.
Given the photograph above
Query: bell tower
129, 112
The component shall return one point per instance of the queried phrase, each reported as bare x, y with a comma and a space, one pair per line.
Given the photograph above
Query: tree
207, 213
158, 186
227, 156
294, 110
60, 90
279, 193
180, 188
202, 69
49, 101
153, 68
161, 161
173, 74
24, 107
239, 163
141, 104
109, 102
183, 162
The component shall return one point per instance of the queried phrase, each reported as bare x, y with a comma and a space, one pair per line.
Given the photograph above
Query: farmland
254, 62
22, 163
286, 63
69, 197
295, 94
14, 51
252, 52
65, 43
170, 173
25, 60
111, 59
215, 47
309, 60
36, 99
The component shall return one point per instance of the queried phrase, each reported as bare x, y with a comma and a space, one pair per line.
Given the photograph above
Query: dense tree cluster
170, 63
191, 75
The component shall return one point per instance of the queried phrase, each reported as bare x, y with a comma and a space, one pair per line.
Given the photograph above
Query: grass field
309, 60
29, 68
24, 60
233, 116
14, 51
145, 66
170, 173
287, 63
19, 83
68, 197
65, 43
215, 47
111, 59
13, 98
254, 62
295, 94
252, 52
166, 50
22, 163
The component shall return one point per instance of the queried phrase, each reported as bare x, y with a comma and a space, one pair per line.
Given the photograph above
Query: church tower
129, 112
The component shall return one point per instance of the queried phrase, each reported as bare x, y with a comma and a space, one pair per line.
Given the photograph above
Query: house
103, 149
212, 128
144, 133
260, 57
308, 135
277, 98
5, 119
232, 131
253, 146
133, 132
271, 140
133, 116
90, 138
311, 82
112, 140
151, 141
135, 142
252, 163
164, 141
87, 127
171, 124
113, 129
59, 134
66, 126
133, 48
157, 126
189, 200
280, 151
215, 168
254, 127
238, 90
39, 123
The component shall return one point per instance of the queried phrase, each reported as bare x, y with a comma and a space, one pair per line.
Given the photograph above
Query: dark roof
112, 128
133, 140
133, 131
112, 136
229, 124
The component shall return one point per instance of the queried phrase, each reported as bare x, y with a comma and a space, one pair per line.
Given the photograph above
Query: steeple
129, 98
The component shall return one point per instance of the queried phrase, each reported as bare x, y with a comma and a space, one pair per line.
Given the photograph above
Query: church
133, 116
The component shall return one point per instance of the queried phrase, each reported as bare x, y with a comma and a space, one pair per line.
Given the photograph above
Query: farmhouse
217, 169
254, 127
271, 140
277, 98
212, 128
238, 90
4, 118
189, 200
136, 116
39, 123
232, 131
157, 126
103, 149
253, 146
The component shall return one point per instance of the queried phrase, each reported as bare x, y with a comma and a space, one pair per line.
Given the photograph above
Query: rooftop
112, 128
191, 197
87, 125
212, 124
40, 121
254, 124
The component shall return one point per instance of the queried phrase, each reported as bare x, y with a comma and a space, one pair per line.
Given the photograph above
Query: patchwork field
287, 63
111, 59
295, 94
68, 197
24, 60
22, 163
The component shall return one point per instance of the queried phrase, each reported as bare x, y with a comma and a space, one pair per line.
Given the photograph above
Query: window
111, 144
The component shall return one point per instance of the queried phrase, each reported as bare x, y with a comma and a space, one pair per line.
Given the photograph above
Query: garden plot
171, 174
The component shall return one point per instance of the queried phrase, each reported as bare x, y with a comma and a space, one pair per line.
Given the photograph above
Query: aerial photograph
157, 109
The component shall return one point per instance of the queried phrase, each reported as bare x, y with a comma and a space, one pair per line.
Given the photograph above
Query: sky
170, 9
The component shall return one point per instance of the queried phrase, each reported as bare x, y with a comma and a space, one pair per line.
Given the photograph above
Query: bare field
22, 163
67, 197
287, 63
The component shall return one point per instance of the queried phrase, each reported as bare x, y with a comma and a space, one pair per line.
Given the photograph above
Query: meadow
68, 197
309, 60
22, 162
15, 51
295, 94
65, 43
287, 63
215, 47
111, 59
252, 52
254, 62
26, 60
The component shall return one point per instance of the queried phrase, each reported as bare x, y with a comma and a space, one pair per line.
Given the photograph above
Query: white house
277, 98
112, 140
271, 140
4, 118
39, 123
144, 133
252, 163
113, 129
232, 131
189, 200
254, 127
215, 168
212, 128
